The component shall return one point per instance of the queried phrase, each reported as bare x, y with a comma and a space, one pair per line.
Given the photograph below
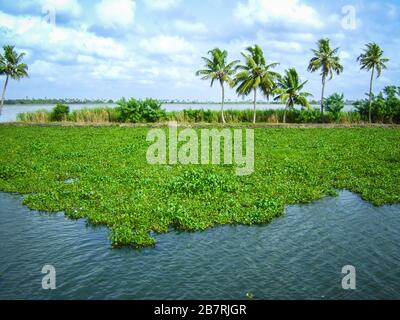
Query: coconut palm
289, 91
372, 59
217, 68
12, 67
256, 74
328, 61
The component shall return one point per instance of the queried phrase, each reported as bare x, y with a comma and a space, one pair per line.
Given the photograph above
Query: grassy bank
101, 174
113, 115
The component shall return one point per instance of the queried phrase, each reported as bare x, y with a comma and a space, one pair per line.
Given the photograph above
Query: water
298, 256
9, 113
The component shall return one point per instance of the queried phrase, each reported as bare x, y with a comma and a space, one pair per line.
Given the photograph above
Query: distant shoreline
19, 103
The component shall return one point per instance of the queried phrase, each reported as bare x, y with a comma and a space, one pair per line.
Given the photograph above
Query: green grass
114, 186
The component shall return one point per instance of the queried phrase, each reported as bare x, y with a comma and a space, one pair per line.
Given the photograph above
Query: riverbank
101, 174
67, 124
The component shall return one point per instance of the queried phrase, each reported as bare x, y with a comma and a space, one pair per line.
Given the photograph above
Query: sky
110, 49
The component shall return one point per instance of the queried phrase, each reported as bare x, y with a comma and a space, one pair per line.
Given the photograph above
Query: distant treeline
56, 101
72, 101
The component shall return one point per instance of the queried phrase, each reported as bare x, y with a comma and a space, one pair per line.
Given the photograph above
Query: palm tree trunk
223, 102
322, 95
284, 114
370, 96
254, 107
3, 95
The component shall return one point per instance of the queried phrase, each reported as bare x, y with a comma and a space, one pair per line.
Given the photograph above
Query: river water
298, 256
9, 113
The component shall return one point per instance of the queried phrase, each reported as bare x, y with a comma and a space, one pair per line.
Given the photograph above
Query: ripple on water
297, 256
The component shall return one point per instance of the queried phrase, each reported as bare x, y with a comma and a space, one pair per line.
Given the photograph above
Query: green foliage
140, 111
218, 68
60, 112
325, 59
101, 174
372, 58
385, 107
11, 63
335, 105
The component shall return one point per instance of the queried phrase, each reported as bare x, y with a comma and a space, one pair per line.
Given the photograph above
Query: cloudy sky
152, 48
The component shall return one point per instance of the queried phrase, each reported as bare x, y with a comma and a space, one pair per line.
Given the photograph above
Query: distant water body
10, 112
297, 256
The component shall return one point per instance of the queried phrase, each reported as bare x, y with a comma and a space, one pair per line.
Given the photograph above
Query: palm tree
217, 68
327, 60
256, 74
289, 91
372, 59
12, 67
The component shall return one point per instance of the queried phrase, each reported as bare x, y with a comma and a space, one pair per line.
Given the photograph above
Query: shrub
60, 112
385, 107
335, 105
136, 111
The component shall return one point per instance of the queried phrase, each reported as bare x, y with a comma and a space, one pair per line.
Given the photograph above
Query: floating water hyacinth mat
101, 174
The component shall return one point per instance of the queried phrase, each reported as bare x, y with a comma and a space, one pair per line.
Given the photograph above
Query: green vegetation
372, 59
326, 60
101, 174
289, 91
335, 105
217, 68
140, 111
60, 112
12, 67
113, 115
385, 107
256, 74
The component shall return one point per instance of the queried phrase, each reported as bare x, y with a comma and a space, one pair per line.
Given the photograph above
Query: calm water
9, 113
298, 256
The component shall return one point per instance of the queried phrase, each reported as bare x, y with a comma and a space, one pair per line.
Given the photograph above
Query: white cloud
272, 11
58, 41
69, 7
163, 44
285, 46
116, 13
162, 5
190, 27
110, 72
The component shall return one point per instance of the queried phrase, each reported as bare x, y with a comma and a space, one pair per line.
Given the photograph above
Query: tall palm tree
217, 68
372, 59
12, 67
256, 74
328, 61
289, 91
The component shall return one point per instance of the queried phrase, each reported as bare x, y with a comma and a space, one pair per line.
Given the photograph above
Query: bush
335, 105
60, 112
138, 111
385, 107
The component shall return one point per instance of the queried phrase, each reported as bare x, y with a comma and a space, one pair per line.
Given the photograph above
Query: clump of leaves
60, 112
136, 111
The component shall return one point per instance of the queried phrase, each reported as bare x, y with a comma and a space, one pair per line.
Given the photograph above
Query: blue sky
152, 48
